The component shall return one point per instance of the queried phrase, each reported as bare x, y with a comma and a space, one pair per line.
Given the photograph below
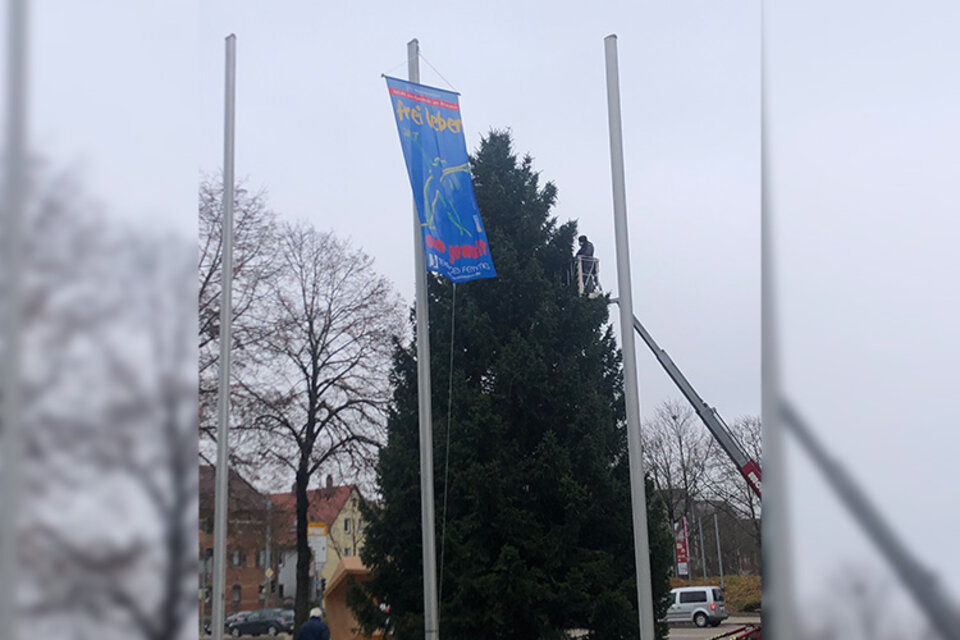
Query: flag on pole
431, 135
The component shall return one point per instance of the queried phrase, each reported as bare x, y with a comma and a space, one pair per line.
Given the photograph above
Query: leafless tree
725, 485
316, 384
676, 448
255, 265
864, 603
111, 417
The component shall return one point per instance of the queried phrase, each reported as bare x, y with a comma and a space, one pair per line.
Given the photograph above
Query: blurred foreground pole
638, 495
226, 317
431, 626
10, 307
778, 596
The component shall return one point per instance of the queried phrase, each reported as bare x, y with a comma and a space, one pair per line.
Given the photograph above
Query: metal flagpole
638, 496
266, 557
703, 551
226, 317
716, 527
676, 558
430, 608
10, 392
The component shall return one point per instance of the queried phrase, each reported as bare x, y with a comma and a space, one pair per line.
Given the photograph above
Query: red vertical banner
683, 566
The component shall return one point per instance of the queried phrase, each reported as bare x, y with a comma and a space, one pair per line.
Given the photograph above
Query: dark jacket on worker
314, 629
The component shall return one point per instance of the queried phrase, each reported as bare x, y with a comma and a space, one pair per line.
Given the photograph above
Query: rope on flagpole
446, 462
394, 68
439, 74
435, 70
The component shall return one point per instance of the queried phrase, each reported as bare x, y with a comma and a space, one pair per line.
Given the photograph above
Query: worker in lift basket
314, 628
587, 263
586, 247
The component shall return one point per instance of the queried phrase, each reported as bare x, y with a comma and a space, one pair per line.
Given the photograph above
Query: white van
699, 605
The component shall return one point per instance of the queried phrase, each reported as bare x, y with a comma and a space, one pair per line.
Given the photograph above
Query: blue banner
431, 134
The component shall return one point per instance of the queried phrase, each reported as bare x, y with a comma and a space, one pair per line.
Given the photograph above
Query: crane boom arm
747, 465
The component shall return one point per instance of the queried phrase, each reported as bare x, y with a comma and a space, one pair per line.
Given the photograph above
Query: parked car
287, 616
700, 605
268, 621
234, 617
207, 622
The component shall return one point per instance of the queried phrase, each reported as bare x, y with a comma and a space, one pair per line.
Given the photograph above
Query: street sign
269, 573
317, 535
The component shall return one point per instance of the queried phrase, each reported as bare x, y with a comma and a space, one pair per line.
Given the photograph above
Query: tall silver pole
226, 317
676, 559
427, 517
703, 552
638, 496
716, 528
11, 444
268, 583
778, 596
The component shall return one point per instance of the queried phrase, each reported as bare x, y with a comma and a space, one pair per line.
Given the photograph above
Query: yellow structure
343, 625
336, 507
344, 535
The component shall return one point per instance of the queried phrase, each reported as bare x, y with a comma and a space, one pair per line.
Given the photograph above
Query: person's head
316, 613
582, 239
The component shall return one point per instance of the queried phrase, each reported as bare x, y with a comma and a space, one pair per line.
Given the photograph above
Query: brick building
263, 525
248, 516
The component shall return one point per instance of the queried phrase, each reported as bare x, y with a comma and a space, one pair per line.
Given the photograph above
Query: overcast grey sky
863, 104
864, 136
315, 129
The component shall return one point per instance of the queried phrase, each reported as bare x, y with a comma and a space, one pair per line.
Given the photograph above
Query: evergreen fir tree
537, 536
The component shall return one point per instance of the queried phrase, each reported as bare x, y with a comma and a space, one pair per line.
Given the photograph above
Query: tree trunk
303, 548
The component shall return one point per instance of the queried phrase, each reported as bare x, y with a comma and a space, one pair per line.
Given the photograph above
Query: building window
346, 525
237, 558
280, 591
346, 551
359, 524
208, 561
236, 594
261, 558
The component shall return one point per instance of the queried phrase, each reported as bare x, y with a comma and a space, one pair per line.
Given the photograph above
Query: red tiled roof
324, 506
242, 494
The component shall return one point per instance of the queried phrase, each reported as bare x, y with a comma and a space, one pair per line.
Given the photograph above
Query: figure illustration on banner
433, 187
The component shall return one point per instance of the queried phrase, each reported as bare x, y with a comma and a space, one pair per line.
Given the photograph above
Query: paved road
690, 632
677, 631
